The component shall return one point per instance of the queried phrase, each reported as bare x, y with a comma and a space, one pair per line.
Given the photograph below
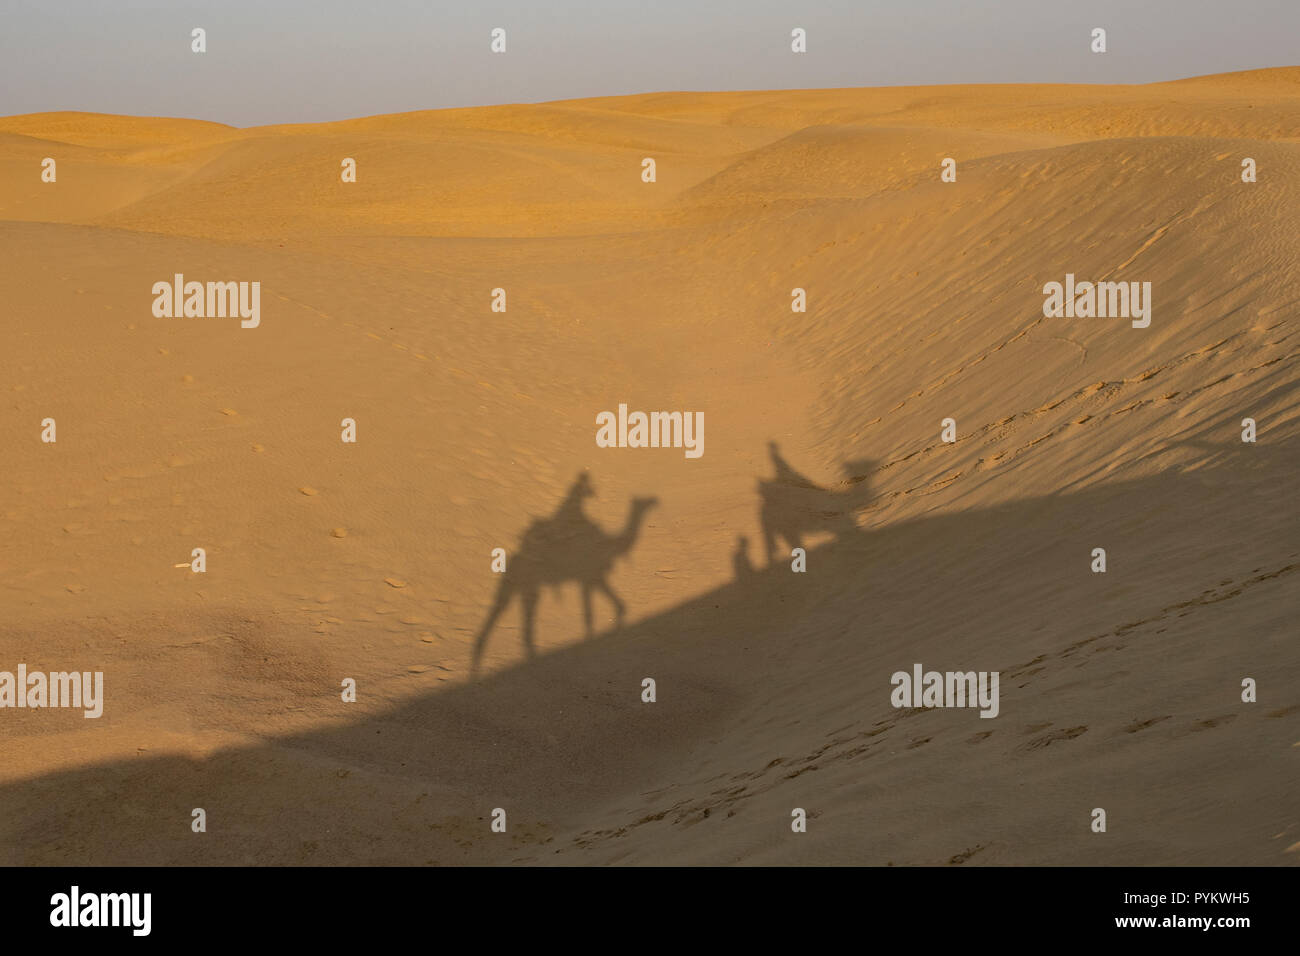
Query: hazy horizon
332, 61
666, 91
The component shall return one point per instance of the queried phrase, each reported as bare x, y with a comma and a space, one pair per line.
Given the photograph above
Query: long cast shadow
792, 506
566, 732
567, 546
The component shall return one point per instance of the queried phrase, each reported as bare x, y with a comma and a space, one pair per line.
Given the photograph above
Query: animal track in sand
960, 858
1038, 743
1144, 724
1213, 722
1209, 596
1105, 391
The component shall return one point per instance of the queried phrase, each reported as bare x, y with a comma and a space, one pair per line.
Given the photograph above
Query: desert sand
372, 560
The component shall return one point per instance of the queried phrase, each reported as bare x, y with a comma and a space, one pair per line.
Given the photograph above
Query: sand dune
372, 560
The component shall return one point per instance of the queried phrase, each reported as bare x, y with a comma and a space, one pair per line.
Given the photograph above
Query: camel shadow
567, 546
589, 770
793, 506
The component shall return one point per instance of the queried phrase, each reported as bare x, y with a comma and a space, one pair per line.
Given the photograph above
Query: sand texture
372, 560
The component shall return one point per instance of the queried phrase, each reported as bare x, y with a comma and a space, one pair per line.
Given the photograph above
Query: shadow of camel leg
619, 606
498, 605
586, 607
769, 538
530, 619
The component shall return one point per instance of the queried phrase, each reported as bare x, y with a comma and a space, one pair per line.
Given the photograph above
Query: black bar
332, 906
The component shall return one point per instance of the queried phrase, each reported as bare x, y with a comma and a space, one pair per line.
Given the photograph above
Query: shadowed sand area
372, 561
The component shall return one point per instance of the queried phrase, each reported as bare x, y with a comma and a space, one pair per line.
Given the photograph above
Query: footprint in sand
1214, 722
965, 855
1144, 724
1048, 739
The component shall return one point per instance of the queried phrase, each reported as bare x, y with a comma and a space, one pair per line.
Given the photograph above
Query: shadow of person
567, 546
740, 563
786, 475
793, 506
562, 760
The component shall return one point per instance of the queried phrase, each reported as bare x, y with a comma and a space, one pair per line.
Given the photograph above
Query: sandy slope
1119, 691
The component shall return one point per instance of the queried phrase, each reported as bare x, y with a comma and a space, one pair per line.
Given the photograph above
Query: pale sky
277, 61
